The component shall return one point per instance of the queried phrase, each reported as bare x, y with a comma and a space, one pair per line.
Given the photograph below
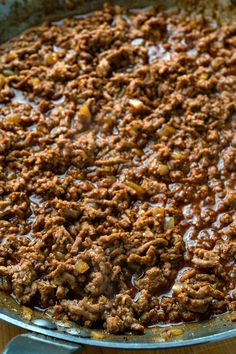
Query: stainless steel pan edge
217, 329
15, 16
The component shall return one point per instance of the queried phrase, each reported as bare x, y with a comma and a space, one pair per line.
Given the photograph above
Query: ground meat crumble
117, 168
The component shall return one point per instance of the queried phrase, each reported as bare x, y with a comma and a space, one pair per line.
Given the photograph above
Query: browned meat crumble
117, 168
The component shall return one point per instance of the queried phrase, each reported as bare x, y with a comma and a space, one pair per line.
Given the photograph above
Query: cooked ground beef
117, 168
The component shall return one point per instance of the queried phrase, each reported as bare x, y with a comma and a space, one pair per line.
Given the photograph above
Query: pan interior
16, 16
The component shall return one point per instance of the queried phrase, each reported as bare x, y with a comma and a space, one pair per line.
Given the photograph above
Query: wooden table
223, 347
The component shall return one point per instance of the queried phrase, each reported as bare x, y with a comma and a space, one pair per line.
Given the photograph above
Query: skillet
66, 337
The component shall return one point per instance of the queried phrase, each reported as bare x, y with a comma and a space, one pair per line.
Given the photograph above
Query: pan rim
11, 318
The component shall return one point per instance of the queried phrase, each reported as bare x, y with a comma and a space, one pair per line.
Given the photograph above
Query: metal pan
44, 335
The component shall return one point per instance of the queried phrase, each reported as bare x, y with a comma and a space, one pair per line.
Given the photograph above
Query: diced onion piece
65, 324
169, 223
177, 331
204, 76
8, 72
13, 118
92, 205
179, 155
108, 121
81, 266
166, 130
97, 334
106, 168
35, 82
136, 187
136, 104
158, 210
11, 56
84, 113
176, 288
27, 313
51, 58
163, 169
60, 256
